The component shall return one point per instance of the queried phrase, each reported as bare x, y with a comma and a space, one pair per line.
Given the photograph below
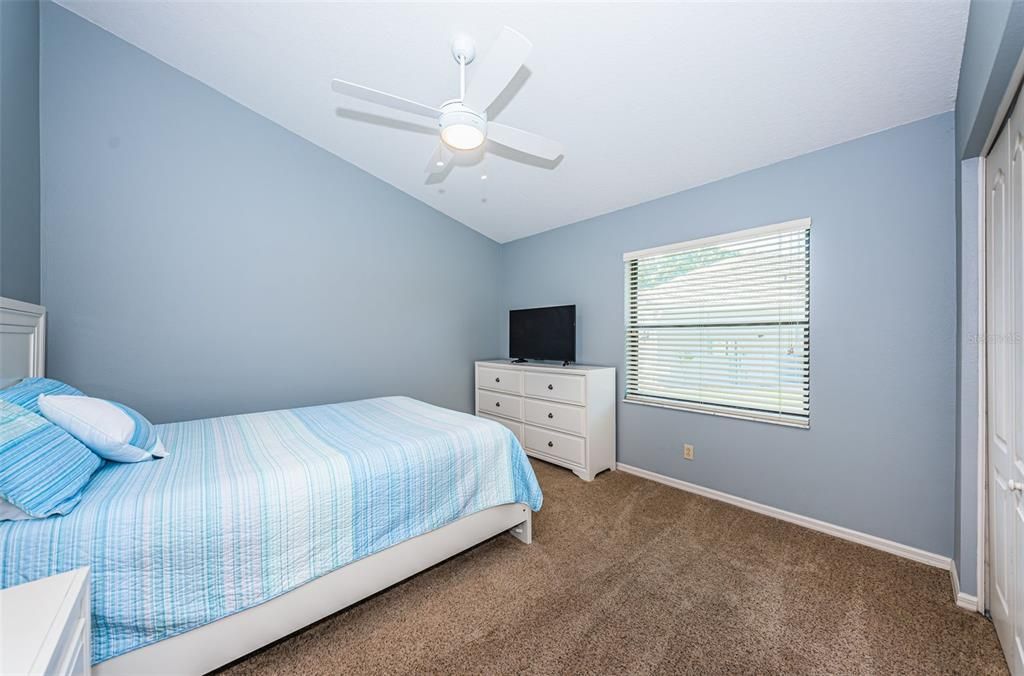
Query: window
722, 325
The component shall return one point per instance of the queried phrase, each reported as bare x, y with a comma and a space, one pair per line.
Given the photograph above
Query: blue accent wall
879, 455
19, 149
199, 260
992, 48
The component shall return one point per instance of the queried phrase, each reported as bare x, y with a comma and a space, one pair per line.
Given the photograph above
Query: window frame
785, 420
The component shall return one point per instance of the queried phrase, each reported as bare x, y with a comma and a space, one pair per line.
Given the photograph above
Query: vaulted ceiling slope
647, 99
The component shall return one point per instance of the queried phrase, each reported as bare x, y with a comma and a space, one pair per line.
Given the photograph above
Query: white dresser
44, 626
562, 414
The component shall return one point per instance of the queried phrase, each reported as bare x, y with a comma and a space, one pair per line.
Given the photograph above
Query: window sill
720, 412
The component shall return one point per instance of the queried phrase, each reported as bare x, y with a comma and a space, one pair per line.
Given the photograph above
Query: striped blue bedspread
247, 507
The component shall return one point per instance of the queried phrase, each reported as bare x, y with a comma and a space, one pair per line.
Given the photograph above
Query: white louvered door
1004, 222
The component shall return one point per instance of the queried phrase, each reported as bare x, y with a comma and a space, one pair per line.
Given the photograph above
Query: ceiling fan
463, 122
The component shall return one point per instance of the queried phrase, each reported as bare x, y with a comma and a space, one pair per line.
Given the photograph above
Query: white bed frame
22, 340
22, 354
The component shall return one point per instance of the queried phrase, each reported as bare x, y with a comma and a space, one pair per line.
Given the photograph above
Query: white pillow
9, 512
111, 430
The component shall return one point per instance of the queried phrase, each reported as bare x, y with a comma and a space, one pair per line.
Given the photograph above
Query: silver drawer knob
497, 380
551, 387
551, 444
551, 415
1015, 485
498, 404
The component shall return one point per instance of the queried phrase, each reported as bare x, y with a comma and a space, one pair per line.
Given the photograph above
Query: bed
256, 525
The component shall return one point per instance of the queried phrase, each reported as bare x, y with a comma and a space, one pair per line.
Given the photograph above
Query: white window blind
722, 325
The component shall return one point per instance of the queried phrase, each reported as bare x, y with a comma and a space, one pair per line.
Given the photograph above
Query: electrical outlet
688, 451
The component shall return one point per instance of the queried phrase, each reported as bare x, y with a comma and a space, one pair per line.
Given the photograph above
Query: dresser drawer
503, 380
559, 416
557, 445
556, 386
504, 405
81, 661
516, 427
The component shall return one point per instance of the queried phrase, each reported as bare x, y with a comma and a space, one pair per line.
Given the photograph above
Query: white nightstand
44, 626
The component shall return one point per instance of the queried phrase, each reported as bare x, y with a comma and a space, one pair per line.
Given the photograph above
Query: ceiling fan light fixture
462, 136
461, 128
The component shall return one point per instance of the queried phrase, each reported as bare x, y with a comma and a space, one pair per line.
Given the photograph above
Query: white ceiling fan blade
439, 160
497, 69
383, 98
524, 141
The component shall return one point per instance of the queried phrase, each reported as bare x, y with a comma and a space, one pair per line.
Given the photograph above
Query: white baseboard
965, 601
905, 551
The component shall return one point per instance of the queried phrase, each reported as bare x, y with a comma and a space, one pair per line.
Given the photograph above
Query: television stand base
519, 361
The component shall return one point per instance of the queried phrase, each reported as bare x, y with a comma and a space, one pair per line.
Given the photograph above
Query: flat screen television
547, 333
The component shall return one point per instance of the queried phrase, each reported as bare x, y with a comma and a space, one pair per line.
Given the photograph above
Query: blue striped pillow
43, 469
26, 392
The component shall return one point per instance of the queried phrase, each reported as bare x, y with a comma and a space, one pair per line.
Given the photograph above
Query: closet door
1004, 188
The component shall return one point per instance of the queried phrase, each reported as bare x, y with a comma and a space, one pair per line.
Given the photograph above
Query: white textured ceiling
648, 99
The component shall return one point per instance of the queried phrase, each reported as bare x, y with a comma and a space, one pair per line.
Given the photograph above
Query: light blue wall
992, 48
199, 260
192, 244
879, 456
19, 149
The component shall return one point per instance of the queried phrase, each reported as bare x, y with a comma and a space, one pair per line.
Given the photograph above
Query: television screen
543, 333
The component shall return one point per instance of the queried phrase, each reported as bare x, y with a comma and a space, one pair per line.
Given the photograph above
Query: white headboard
22, 340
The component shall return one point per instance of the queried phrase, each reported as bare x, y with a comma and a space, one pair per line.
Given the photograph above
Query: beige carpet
629, 576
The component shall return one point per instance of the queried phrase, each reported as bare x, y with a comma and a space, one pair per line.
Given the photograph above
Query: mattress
248, 507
